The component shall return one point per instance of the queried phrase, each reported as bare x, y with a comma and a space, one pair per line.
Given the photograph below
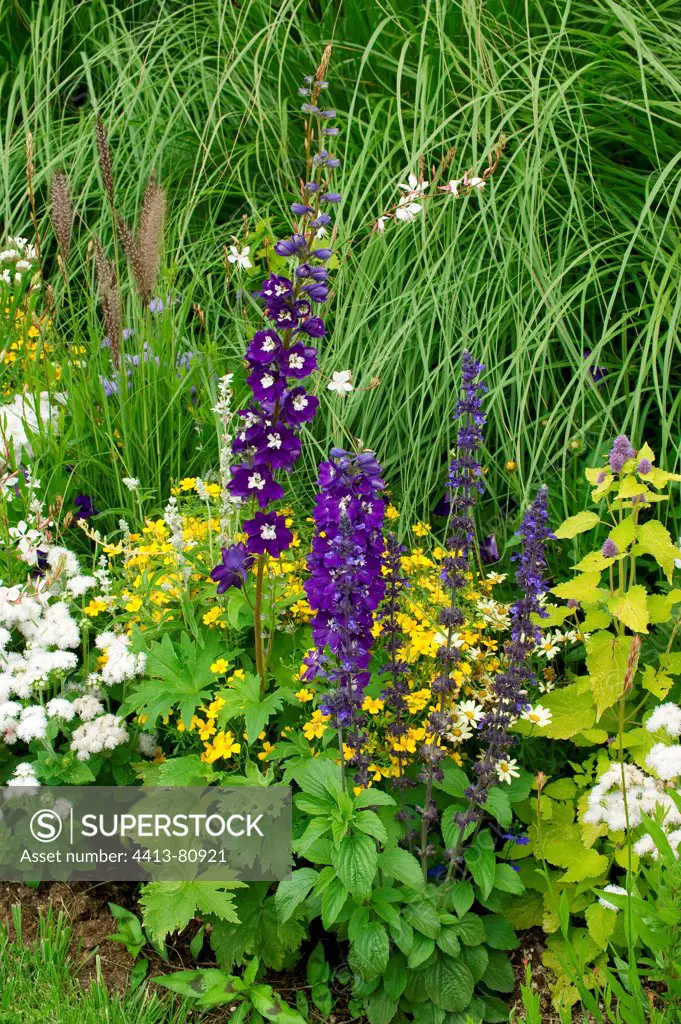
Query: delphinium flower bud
345, 587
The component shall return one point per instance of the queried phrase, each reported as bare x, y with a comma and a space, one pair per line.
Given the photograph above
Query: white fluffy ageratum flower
104, 733
615, 890
79, 585
121, 661
665, 716
24, 775
88, 707
665, 761
32, 723
60, 708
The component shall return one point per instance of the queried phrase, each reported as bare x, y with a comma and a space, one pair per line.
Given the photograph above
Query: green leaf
572, 710
422, 948
582, 588
499, 933
631, 608
606, 661
498, 804
455, 781
654, 539
461, 897
395, 977
476, 959
370, 950
333, 902
170, 906
481, 863
574, 525
402, 866
470, 929
373, 798
508, 880
448, 940
423, 916
184, 671
243, 699
380, 1008
356, 860
449, 983
189, 770
370, 823
601, 923
499, 976
292, 891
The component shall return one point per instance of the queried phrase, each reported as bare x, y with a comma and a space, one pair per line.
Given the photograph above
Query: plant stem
257, 625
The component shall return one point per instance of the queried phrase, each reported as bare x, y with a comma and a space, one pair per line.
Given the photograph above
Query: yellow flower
267, 748
373, 705
93, 609
219, 667
316, 727
391, 512
212, 490
223, 746
237, 674
188, 483
511, 466
134, 604
421, 529
212, 616
303, 695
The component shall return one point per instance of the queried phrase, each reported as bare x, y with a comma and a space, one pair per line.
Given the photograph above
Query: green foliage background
574, 246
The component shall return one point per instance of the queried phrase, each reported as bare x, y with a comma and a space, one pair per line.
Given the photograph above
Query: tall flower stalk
279, 357
510, 686
345, 587
464, 484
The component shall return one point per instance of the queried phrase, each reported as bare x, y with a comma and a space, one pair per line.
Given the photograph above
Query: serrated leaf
606, 660
292, 891
574, 525
402, 866
370, 950
652, 538
370, 823
449, 983
582, 588
355, 861
169, 906
631, 608
601, 923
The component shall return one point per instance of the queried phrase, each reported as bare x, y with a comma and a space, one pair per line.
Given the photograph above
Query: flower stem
257, 625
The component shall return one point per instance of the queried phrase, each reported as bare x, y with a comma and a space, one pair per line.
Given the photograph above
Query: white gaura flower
451, 186
538, 716
478, 183
240, 259
407, 210
341, 382
379, 226
507, 770
415, 187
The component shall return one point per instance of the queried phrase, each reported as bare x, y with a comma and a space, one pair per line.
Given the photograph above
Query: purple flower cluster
510, 687
279, 356
346, 586
620, 453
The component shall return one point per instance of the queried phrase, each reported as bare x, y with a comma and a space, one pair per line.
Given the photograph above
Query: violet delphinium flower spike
345, 587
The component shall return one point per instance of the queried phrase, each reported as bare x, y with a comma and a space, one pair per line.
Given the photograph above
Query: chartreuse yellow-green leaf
582, 588
655, 540
661, 606
595, 618
631, 608
601, 923
630, 487
624, 533
593, 562
606, 662
573, 525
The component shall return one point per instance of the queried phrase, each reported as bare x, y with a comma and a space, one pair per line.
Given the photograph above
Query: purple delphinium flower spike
345, 587
278, 356
510, 687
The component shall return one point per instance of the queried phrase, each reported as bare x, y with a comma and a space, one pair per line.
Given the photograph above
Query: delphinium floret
344, 588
